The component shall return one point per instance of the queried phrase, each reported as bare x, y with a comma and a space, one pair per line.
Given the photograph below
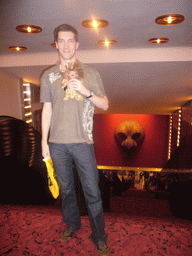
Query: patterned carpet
136, 225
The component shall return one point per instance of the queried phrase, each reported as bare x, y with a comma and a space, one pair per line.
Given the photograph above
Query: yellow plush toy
52, 178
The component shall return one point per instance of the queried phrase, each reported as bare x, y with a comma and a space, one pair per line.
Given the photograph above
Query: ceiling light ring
53, 45
107, 42
28, 29
18, 48
159, 40
100, 23
174, 19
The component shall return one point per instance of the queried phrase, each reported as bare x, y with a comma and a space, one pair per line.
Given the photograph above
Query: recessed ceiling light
53, 45
95, 23
29, 29
158, 40
170, 19
107, 42
17, 48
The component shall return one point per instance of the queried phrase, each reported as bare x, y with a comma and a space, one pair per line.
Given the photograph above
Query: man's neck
64, 63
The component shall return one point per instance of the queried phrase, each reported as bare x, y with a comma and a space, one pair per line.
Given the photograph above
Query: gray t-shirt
72, 113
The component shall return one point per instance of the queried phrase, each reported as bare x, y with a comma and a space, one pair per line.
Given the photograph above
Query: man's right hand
45, 149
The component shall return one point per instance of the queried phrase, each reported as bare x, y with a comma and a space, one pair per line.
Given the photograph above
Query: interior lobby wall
10, 95
153, 151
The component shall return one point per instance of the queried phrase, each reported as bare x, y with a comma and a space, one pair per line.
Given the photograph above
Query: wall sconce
27, 102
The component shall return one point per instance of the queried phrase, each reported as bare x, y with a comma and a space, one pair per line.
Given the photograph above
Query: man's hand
77, 85
45, 149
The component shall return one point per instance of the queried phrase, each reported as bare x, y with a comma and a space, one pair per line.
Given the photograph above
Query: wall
153, 152
10, 98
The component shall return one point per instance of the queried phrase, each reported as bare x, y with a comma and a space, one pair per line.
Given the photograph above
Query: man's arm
100, 102
46, 121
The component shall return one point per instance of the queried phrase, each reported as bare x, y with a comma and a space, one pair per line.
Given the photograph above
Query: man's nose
66, 45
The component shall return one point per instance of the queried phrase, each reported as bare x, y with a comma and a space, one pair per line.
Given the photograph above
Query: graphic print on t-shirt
87, 118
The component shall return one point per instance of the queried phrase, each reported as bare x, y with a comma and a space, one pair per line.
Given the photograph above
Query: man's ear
56, 44
77, 45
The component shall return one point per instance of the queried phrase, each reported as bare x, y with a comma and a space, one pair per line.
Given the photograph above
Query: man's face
67, 46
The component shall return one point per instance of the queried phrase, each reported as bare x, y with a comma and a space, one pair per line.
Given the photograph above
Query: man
68, 109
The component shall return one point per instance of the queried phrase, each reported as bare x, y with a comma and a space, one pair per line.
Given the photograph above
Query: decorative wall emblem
129, 133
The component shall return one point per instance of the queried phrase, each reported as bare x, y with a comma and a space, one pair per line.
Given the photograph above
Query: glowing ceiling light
107, 42
53, 45
159, 40
95, 23
170, 19
17, 48
29, 29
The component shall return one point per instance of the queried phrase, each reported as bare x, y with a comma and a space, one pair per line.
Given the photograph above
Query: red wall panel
153, 152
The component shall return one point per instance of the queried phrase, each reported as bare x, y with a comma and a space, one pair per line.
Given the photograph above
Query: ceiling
139, 77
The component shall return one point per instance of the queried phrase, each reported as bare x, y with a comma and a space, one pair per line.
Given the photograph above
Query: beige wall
10, 97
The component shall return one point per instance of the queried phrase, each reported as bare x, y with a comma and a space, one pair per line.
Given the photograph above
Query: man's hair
66, 28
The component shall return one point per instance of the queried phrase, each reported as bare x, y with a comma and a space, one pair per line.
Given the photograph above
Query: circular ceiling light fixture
170, 19
158, 40
95, 23
17, 48
107, 42
28, 29
53, 45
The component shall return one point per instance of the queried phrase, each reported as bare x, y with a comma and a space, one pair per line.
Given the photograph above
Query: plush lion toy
73, 71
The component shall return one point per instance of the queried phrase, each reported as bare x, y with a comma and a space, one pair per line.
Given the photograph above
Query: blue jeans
83, 156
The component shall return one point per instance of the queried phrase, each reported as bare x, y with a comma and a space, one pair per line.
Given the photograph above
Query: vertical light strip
27, 102
179, 128
170, 136
191, 111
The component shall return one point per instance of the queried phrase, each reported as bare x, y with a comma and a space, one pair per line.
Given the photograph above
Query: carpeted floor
137, 224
